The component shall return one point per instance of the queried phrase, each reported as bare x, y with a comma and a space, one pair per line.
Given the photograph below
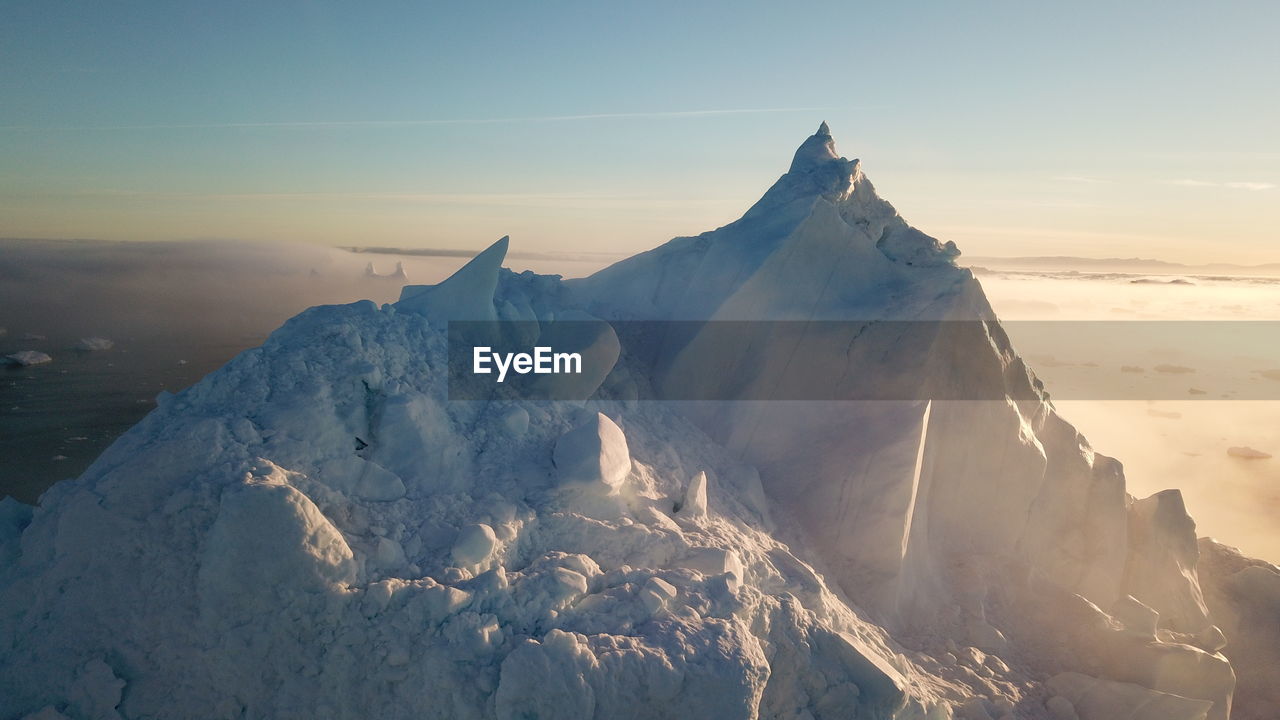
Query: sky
1012, 128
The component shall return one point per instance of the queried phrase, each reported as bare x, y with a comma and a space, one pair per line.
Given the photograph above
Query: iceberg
91, 344
26, 358
369, 272
318, 530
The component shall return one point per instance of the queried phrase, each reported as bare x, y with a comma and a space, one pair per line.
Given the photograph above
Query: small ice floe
91, 344
399, 273
1247, 453
25, 358
32, 336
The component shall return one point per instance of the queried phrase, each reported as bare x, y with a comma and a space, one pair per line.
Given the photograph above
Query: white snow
694, 502
515, 420
315, 530
474, 545
593, 455
466, 295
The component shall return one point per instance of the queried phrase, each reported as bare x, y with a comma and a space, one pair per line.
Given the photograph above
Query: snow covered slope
315, 530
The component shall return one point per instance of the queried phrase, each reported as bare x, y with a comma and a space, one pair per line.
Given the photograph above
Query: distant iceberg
1247, 453
399, 273
25, 358
91, 344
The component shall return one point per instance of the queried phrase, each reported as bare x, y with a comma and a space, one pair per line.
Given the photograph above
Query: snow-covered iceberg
316, 530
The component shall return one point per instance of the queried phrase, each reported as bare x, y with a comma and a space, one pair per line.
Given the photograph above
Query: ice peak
816, 170
817, 150
465, 295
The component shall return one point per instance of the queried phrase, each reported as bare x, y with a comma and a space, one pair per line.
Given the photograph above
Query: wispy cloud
1081, 179
1255, 186
564, 200
302, 124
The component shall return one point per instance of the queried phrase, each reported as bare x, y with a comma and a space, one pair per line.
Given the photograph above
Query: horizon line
554, 254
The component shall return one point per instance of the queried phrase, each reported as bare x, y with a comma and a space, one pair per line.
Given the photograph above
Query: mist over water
1167, 443
174, 311
177, 311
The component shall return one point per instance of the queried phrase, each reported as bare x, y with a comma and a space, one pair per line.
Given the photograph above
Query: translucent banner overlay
901, 360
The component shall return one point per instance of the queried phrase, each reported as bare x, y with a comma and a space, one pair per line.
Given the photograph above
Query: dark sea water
56, 418
175, 312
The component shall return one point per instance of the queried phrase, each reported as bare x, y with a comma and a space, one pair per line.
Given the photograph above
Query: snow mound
317, 530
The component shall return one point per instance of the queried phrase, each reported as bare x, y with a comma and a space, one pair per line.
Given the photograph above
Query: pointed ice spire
465, 295
817, 170
694, 503
819, 149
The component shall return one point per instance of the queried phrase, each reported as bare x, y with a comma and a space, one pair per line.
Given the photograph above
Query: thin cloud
676, 114
584, 200
1081, 179
1254, 186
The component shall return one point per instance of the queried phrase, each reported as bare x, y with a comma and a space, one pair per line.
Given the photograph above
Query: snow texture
315, 530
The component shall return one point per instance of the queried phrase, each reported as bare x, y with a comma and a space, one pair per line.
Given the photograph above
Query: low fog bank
1169, 443
1187, 445
1067, 264
173, 311
203, 290
179, 292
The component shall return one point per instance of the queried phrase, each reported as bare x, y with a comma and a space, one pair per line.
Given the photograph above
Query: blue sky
1011, 128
